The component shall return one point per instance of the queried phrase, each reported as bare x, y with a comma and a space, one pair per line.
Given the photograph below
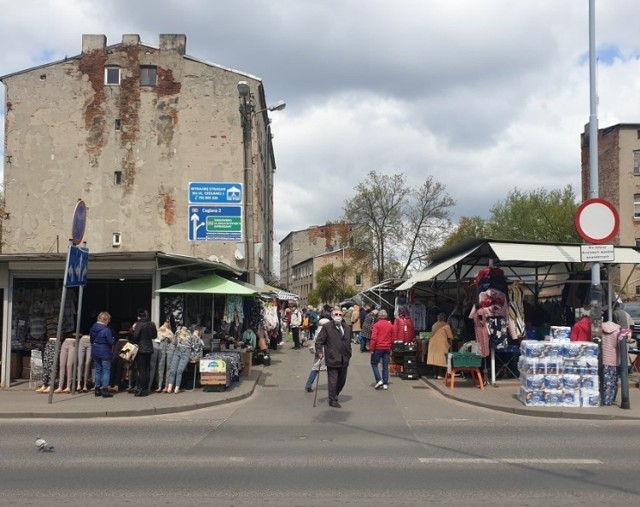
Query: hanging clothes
403, 329
610, 361
481, 329
516, 307
234, 308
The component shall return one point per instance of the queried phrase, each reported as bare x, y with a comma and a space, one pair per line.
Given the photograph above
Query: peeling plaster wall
63, 144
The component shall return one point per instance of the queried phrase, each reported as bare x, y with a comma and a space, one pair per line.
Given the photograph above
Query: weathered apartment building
618, 183
127, 127
304, 252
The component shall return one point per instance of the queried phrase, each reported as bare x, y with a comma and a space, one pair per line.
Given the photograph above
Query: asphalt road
404, 446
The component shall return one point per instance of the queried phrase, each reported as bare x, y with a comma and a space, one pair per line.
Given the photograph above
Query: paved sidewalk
504, 397
20, 402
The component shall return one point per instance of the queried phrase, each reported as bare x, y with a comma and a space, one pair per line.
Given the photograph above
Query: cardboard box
26, 361
26, 373
213, 379
246, 364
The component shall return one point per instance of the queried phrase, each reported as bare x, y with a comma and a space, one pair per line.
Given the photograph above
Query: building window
118, 124
117, 239
117, 178
358, 278
636, 205
637, 290
636, 162
147, 75
112, 75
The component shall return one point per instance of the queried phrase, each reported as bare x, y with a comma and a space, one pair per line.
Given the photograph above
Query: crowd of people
156, 356
337, 329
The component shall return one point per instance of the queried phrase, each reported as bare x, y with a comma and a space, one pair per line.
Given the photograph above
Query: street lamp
247, 113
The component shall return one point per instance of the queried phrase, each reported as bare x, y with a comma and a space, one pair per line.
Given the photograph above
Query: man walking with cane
334, 344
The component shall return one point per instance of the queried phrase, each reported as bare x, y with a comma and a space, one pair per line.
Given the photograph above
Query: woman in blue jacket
102, 341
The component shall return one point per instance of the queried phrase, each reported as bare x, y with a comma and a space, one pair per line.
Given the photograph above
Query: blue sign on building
215, 193
215, 223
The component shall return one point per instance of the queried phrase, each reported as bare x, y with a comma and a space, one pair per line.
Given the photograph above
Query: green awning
212, 284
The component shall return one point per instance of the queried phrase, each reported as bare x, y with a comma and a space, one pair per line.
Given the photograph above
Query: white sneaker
378, 385
385, 386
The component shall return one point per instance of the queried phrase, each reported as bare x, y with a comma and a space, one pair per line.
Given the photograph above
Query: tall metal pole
246, 110
56, 354
595, 298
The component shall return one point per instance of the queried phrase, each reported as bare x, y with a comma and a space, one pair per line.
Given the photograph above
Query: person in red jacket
380, 347
403, 329
581, 330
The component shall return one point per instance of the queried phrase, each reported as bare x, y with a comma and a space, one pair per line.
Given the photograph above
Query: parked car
633, 309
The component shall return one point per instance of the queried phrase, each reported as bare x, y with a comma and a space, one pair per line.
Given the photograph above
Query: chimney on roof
173, 42
93, 42
130, 39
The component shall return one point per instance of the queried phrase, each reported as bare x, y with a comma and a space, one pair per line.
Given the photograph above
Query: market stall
238, 309
541, 281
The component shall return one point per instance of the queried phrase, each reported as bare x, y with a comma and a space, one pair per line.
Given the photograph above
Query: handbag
128, 352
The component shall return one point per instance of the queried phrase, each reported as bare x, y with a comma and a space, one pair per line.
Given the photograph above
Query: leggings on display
163, 366
179, 362
67, 352
153, 363
84, 360
47, 361
171, 350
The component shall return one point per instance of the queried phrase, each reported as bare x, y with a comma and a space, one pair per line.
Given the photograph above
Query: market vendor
581, 331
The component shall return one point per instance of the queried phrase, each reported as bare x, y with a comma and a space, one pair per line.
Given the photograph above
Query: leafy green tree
538, 215
398, 222
330, 285
468, 227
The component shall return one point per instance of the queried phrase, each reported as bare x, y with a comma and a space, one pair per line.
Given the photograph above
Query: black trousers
336, 379
116, 371
143, 362
295, 332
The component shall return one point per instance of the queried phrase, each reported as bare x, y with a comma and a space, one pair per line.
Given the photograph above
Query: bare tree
398, 224
428, 221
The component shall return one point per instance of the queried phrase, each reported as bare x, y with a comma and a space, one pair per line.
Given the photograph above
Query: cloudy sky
484, 95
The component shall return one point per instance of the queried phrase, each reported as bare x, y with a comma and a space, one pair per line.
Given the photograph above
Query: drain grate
269, 385
420, 387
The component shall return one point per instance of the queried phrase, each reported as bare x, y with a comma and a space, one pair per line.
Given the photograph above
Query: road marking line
511, 461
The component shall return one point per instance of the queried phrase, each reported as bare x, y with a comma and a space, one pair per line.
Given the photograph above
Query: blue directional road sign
215, 193
215, 223
77, 267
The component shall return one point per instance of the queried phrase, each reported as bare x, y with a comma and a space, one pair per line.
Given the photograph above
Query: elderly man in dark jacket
334, 344
144, 333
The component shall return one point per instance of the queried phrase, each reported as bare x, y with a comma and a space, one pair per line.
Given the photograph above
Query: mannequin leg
62, 366
162, 365
69, 364
87, 368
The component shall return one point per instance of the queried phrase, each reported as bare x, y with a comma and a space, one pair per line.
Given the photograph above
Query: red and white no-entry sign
597, 221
